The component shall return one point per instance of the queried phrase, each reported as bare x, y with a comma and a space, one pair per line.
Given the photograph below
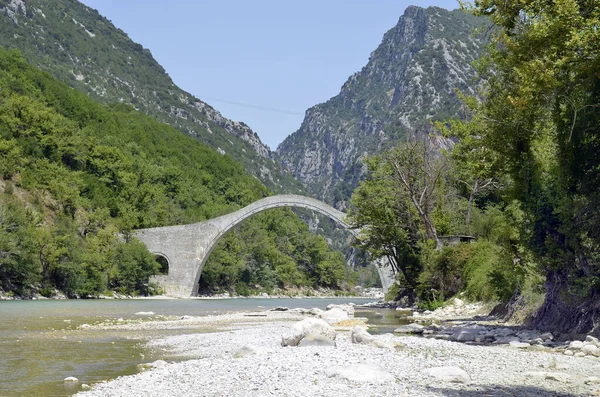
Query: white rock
448, 374
361, 336
307, 326
347, 308
458, 302
547, 336
590, 350
592, 339
144, 314
315, 311
576, 345
568, 352
334, 315
373, 373
71, 379
316, 340
519, 345
147, 366
85, 386
580, 354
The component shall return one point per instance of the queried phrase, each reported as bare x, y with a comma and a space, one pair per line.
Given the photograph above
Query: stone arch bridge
187, 247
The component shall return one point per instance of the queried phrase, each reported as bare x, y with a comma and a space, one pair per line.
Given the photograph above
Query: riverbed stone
412, 328
370, 372
590, 350
519, 345
361, 336
334, 315
316, 340
71, 379
307, 326
576, 345
448, 374
592, 339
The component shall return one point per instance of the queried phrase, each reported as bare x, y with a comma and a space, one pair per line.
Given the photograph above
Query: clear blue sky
264, 54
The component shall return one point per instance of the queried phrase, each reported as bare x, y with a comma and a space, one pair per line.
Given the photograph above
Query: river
41, 341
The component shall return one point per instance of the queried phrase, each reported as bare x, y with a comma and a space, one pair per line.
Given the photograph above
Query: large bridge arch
188, 247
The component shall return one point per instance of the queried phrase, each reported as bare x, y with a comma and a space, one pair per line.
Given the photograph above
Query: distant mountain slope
409, 80
82, 48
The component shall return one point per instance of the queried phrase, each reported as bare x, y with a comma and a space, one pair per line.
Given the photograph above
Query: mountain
80, 47
409, 80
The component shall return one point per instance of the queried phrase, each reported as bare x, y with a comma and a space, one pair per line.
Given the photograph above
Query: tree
419, 169
540, 115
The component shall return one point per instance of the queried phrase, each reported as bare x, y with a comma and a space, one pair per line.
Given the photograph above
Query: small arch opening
164, 264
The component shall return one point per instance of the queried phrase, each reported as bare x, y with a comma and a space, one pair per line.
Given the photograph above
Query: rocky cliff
409, 80
82, 48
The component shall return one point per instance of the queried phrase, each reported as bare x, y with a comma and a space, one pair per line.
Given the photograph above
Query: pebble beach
242, 354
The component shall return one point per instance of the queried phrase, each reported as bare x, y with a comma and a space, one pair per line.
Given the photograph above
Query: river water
41, 342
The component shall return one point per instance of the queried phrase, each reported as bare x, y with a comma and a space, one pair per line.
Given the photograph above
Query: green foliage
540, 116
272, 249
77, 173
85, 50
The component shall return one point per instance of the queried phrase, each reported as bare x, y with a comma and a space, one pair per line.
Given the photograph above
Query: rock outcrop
410, 79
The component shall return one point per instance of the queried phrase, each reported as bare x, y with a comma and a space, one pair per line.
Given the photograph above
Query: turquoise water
40, 343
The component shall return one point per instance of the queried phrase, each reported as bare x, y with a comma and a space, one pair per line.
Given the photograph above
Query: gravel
244, 357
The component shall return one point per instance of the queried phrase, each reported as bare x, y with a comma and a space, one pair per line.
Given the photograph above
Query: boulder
592, 340
372, 373
448, 374
315, 311
590, 350
71, 379
413, 328
361, 336
316, 340
334, 315
307, 326
576, 345
349, 308
519, 345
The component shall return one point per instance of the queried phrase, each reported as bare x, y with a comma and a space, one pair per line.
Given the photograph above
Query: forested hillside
82, 48
519, 190
76, 177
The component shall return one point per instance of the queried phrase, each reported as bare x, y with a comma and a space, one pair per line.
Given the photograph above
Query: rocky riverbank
305, 352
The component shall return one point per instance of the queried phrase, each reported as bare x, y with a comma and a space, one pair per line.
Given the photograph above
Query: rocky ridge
409, 80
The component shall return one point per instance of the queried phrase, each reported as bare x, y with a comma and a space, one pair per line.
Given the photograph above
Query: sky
263, 62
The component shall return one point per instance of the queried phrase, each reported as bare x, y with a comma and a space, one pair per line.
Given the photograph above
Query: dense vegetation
83, 49
524, 178
77, 177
